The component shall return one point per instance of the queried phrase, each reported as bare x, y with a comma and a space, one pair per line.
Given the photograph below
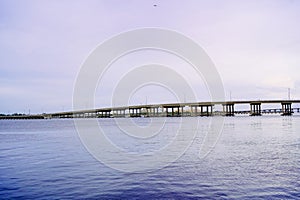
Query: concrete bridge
174, 110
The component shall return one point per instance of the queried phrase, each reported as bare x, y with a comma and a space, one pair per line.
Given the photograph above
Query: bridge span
174, 110
184, 109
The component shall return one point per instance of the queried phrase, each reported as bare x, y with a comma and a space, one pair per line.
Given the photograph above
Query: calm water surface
255, 157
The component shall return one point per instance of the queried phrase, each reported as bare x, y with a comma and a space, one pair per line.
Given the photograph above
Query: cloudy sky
255, 46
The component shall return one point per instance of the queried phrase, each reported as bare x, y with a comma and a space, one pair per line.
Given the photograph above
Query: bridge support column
148, 112
228, 109
108, 114
119, 113
135, 112
175, 111
152, 112
138, 112
194, 110
156, 113
206, 110
90, 115
122, 113
103, 114
131, 112
255, 109
286, 108
179, 113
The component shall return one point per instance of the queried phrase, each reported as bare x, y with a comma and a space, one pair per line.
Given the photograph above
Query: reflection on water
255, 157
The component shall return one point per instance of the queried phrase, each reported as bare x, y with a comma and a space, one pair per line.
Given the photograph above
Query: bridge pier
195, 110
152, 111
205, 110
119, 113
135, 112
286, 108
104, 114
228, 109
91, 114
255, 109
99, 114
209, 110
172, 111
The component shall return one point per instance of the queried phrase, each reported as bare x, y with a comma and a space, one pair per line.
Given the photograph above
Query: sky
254, 44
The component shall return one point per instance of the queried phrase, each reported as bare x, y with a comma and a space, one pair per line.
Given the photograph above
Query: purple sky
255, 46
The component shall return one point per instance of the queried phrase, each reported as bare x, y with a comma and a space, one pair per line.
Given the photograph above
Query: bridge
174, 110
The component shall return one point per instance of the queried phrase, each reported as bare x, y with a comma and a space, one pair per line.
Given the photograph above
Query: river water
254, 157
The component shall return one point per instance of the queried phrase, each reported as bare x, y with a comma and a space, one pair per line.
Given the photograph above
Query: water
255, 157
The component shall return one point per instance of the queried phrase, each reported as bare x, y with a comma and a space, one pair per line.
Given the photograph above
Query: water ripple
255, 158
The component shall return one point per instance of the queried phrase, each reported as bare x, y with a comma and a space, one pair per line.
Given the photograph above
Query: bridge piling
255, 109
175, 111
286, 108
228, 109
135, 112
205, 110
